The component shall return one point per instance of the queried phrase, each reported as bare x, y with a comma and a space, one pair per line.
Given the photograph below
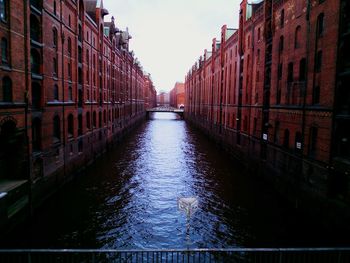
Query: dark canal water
128, 199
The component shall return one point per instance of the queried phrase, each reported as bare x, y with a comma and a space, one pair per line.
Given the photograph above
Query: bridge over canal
180, 112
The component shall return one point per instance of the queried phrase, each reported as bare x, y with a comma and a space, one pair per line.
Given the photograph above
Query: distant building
177, 95
163, 99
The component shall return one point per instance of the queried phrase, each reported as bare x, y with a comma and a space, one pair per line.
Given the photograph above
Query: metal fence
251, 255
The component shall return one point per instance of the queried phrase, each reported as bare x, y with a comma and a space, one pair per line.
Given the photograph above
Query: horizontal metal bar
322, 249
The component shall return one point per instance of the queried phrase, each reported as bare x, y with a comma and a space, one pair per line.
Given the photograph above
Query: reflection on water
128, 199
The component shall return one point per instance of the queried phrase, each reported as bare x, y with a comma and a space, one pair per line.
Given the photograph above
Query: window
3, 10
35, 61
312, 141
56, 129
54, 8
69, 70
69, 21
55, 66
290, 72
286, 138
69, 43
70, 125
70, 93
4, 51
80, 55
6, 89
259, 33
80, 125
55, 38
282, 19
36, 134
35, 31
94, 119
302, 70
318, 61
280, 71
320, 25
281, 44
36, 95
297, 37
55, 93
88, 121
258, 56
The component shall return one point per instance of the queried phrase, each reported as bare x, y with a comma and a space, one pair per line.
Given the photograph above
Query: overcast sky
170, 35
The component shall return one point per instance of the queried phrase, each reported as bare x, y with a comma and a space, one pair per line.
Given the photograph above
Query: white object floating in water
188, 204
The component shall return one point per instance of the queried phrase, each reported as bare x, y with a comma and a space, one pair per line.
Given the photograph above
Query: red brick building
150, 93
273, 92
69, 88
177, 95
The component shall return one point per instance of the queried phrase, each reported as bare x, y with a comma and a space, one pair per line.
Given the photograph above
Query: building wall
70, 88
268, 92
177, 95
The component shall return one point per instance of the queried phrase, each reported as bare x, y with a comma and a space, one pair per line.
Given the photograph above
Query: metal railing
251, 255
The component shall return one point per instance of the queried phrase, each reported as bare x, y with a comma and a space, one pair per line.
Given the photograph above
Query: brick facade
70, 87
270, 92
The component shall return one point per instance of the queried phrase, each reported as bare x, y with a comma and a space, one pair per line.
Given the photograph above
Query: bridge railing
251, 255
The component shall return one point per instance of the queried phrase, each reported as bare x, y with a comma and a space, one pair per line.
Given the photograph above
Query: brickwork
70, 87
267, 91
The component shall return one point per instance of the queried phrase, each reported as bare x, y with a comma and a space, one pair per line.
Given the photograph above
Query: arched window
69, 21
80, 124
286, 138
94, 119
35, 61
55, 38
3, 10
4, 51
7, 89
320, 25
282, 19
55, 93
56, 129
297, 37
55, 66
302, 70
70, 125
88, 121
36, 95
36, 134
281, 44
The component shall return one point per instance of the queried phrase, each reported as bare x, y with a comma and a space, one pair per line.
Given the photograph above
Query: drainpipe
26, 95
63, 102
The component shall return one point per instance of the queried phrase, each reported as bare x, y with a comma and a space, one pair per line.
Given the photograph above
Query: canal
128, 199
